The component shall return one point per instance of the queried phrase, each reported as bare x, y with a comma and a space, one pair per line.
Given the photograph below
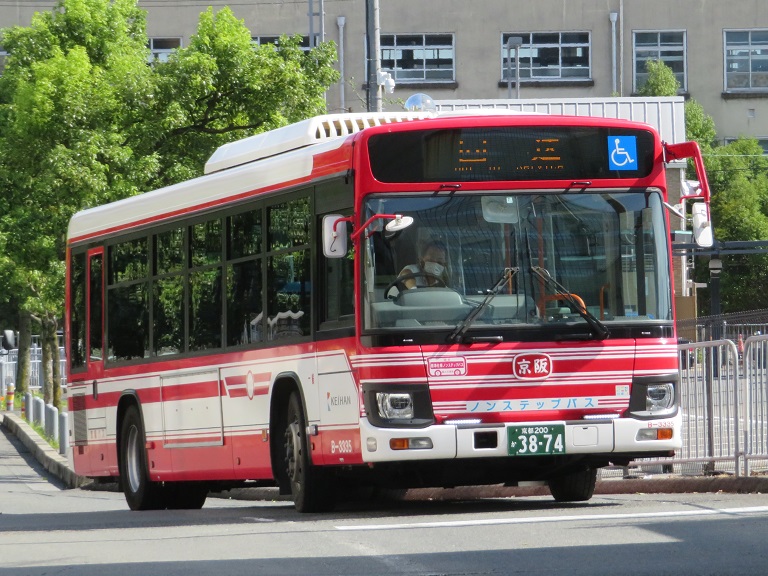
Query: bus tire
576, 486
185, 495
140, 492
310, 486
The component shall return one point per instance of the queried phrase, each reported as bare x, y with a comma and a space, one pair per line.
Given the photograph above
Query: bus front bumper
468, 440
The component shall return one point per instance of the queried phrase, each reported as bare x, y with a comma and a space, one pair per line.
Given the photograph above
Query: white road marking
580, 518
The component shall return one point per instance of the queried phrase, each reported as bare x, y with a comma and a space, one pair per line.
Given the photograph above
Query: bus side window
77, 293
289, 283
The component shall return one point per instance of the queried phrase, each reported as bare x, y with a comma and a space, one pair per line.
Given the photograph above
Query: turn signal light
410, 443
398, 443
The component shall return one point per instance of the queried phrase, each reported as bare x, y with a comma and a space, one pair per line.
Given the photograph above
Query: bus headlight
659, 397
398, 405
653, 397
395, 406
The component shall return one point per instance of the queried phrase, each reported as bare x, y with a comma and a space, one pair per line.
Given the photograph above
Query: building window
665, 46
746, 59
259, 40
548, 56
160, 48
418, 57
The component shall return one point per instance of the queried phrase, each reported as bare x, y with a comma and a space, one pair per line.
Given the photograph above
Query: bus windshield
590, 259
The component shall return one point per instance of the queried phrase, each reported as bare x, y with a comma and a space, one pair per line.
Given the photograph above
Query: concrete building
458, 50
571, 48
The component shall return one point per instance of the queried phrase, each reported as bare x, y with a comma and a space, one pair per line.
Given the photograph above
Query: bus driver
432, 269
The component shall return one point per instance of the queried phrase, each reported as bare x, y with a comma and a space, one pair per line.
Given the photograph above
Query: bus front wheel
140, 492
310, 486
576, 486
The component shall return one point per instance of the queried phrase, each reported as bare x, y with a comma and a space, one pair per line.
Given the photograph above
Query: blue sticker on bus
622, 152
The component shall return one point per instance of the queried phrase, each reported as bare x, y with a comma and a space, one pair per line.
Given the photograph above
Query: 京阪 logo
532, 366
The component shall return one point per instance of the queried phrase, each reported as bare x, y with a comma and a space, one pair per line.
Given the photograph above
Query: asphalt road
48, 529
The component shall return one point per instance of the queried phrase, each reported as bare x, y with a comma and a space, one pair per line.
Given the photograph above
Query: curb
51, 460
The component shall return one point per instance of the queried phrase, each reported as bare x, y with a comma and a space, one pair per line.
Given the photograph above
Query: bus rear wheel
576, 486
140, 492
310, 486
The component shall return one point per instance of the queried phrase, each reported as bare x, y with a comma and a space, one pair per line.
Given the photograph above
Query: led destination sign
519, 153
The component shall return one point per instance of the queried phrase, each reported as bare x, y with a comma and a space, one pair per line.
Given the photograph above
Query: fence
724, 402
9, 361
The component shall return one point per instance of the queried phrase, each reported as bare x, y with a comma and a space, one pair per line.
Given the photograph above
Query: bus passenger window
77, 308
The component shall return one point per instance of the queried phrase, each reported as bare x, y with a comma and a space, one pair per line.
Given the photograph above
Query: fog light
371, 445
420, 443
394, 406
660, 397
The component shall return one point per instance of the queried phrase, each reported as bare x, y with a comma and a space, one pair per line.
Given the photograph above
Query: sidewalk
60, 467
49, 458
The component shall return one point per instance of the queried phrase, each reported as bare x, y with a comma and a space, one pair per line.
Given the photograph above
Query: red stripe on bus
190, 391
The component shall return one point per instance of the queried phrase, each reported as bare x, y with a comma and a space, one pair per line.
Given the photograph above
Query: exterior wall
477, 29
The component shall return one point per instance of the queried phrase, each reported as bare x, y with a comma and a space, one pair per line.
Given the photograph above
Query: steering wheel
399, 282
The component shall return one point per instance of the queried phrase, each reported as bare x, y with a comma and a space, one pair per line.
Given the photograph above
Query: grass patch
41, 431
17, 401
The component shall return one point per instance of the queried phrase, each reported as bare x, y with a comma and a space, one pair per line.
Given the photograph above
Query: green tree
738, 178
699, 126
738, 174
661, 80
67, 93
222, 88
85, 120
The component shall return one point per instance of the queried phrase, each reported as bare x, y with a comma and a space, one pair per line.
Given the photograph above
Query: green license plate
536, 439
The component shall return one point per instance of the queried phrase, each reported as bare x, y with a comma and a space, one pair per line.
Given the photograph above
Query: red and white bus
257, 324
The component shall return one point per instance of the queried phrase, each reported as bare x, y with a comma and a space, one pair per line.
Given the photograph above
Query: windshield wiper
599, 329
461, 328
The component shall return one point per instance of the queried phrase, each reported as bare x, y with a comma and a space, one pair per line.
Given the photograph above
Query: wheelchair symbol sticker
623, 152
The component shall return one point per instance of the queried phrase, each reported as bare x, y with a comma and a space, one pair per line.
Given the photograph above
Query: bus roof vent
294, 136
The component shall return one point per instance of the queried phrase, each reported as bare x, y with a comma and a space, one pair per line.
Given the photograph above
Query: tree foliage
221, 88
738, 174
85, 120
699, 126
661, 80
738, 178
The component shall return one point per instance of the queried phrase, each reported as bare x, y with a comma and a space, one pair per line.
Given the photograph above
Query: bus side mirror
9, 340
702, 225
335, 236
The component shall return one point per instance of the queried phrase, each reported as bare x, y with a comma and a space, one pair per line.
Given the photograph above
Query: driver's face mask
434, 269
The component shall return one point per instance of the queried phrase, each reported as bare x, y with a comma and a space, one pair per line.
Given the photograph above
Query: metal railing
755, 367
9, 361
724, 403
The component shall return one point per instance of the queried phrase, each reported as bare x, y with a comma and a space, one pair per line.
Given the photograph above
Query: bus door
94, 362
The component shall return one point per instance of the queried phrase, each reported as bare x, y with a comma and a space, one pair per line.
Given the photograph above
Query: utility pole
374, 58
